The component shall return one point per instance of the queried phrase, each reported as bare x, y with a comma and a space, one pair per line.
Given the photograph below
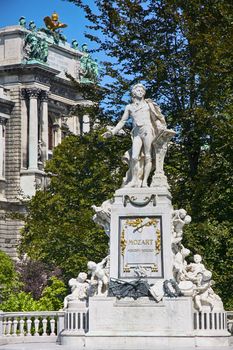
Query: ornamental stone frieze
64, 91
59, 108
42, 79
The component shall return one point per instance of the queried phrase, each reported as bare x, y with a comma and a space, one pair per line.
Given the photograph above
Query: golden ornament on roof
52, 22
54, 16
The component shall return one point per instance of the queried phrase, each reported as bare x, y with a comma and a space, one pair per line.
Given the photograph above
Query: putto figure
149, 131
99, 275
79, 289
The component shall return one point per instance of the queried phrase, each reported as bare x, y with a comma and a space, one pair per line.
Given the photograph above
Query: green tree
59, 230
9, 278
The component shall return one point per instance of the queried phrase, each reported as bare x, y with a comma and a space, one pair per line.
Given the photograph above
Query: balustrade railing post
4, 326
9, 323
52, 325
44, 324
208, 321
29, 325
36, 323
21, 327
15, 324
1, 323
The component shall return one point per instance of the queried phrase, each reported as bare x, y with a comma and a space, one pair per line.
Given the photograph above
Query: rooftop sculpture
89, 67
52, 22
53, 27
38, 40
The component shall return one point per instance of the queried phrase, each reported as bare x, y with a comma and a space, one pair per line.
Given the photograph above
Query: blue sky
36, 10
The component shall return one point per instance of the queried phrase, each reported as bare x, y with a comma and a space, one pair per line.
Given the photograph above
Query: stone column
59, 138
77, 130
33, 128
2, 158
56, 136
24, 132
44, 125
86, 124
2, 147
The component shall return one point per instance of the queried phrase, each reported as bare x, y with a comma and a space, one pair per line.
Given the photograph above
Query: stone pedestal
30, 180
141, 234
112, 324
141, 246
76, 324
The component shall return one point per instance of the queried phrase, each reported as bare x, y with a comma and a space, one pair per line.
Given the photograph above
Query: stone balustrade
211, 322
77, 320
32, 327
46, 326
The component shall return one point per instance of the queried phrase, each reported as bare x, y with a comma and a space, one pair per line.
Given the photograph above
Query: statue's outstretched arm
119, 125
122, 122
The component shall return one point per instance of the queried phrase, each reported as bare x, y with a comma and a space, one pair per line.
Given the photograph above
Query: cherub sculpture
180, 264
102, 215
79, 289
179, 219
99, 275
203, 293
193, 269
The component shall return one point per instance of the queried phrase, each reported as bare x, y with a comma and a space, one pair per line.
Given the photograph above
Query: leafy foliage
19, 301
15, 295
52, 299
59, 230
52, 295
35, 275
9, 278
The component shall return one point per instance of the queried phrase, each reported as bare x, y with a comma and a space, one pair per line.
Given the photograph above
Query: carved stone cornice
6, 106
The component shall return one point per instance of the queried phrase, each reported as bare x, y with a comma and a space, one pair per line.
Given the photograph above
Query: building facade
36, 104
